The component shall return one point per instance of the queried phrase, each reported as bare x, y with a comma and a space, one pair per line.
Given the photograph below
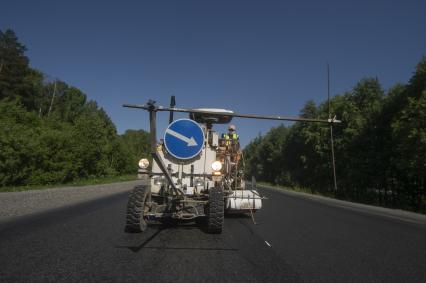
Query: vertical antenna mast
331, 129
172, 105
53, 97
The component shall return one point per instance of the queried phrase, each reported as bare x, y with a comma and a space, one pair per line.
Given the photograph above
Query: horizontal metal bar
193, 201
172, 215
139, 106
176, 174
251, 116
196, 175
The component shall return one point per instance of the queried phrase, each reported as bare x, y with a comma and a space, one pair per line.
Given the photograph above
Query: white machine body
201, 164
243, 200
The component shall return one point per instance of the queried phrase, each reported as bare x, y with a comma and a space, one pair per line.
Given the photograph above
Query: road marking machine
196, 174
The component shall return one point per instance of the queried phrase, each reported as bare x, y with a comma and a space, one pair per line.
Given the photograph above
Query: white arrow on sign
190, 141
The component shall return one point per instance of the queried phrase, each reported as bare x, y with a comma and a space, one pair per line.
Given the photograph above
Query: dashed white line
269, 245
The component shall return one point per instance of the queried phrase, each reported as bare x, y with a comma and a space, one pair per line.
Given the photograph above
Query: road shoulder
397, 214
16, 204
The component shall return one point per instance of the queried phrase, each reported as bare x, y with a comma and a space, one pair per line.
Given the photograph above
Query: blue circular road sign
184, 138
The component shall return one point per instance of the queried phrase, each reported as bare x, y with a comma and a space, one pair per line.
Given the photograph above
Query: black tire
136, 208
215, 211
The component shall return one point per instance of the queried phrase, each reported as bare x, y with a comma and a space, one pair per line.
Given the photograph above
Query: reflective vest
228, 136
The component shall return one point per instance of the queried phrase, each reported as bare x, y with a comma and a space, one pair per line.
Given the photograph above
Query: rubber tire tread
215, 211
135, 222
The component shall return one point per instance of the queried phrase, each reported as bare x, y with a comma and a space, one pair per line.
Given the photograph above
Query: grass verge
83, 182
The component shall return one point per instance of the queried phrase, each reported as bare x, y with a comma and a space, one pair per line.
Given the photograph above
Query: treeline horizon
50, 133
380, 146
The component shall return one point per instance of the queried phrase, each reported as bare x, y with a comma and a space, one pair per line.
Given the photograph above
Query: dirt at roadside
13, 204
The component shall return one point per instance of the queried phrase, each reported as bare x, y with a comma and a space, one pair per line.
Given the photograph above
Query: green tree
17, 80
17, 129
48, 141
138, 144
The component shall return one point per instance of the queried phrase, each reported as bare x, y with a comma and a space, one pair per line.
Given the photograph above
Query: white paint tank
244, 200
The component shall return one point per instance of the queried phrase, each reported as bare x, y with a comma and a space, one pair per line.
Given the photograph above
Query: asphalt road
296, 239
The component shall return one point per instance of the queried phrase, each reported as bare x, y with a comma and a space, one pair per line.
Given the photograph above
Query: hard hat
231, 127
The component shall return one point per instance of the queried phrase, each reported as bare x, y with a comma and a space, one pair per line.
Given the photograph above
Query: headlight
216, 166
143, 163
199, 182
159, 181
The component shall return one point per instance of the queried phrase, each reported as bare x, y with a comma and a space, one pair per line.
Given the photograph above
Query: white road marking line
268, 244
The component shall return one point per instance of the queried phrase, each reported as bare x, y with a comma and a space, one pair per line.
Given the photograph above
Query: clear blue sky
262, 57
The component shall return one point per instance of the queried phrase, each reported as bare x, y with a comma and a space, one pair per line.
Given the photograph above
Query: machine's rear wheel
136, 209
215, 211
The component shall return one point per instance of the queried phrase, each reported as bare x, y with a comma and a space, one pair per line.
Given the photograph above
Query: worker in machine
232, 143
231, 138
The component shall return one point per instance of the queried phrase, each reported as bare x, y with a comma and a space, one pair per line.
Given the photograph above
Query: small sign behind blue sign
184, 139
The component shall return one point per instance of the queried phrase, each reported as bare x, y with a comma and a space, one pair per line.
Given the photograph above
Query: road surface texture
297, 239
